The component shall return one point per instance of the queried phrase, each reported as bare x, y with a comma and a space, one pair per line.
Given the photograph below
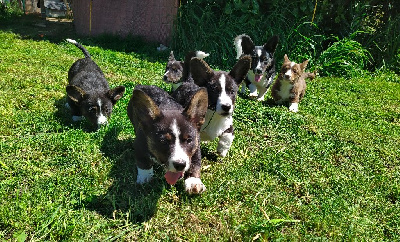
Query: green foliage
9, 10
330, 172
212, 25
344, 58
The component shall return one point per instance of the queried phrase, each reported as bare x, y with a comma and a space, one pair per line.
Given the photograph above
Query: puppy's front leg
294, 102
261, 93
144, 163
144, 175
193, 183
225, 141
253, 91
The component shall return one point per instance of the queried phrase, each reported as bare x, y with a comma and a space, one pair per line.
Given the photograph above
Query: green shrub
9, 10
344, 58
307, 29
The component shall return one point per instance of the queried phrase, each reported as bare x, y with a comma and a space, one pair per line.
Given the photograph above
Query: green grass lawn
329, 172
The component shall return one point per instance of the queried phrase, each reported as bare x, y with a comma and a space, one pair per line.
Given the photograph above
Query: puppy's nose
179, 165
226, 107
287, 76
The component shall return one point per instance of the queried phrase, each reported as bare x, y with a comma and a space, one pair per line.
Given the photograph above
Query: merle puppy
291, 83
89, 95
167, 132
262, 72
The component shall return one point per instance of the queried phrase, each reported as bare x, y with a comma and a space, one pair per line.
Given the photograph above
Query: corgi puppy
168, 133
290, 85
89, 95
262, 72
177, 72
222, 90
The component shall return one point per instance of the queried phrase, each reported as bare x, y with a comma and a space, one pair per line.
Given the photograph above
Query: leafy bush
306, 29
9, 10
345, 58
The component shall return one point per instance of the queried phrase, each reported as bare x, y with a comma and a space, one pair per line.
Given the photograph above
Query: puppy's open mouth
173, 177
257, 78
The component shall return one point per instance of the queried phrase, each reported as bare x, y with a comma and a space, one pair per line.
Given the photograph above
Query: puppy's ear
271, 45
116, 94
239, 71
286, 59
197, 108
171, 56
142, 110
201, 71
75, 93
303, 65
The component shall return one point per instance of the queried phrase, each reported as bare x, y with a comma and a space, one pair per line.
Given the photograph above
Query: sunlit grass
329, 172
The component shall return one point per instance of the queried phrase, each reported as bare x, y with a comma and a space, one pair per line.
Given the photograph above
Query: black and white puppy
168, 133
262, 72
89, 95
222, 90
177, 72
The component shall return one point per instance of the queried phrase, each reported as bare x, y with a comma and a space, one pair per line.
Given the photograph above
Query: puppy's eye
230, 91
93, 109
165, 138
188, 140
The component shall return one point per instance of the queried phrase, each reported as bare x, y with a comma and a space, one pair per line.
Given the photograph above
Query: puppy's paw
144, 176
222, 152
253, 95
294, 107
225, 142
194, 185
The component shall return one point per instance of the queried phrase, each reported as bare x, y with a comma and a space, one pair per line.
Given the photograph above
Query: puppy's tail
310, 75
201, 55
238, 46
186, 63
84, 51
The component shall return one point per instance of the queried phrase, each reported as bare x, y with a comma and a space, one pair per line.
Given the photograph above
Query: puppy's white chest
286, 90
214, 125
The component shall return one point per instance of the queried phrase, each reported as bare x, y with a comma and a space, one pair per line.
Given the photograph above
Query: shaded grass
330, 172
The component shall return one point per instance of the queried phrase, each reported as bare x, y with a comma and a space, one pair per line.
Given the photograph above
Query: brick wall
151, 19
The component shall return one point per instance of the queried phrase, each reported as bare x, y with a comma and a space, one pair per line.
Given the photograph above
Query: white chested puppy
290, 85
222, 90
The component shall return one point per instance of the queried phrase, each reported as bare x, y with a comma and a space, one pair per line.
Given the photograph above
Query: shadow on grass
125, 199
63, 115
32, 26
208, 153
269, 102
